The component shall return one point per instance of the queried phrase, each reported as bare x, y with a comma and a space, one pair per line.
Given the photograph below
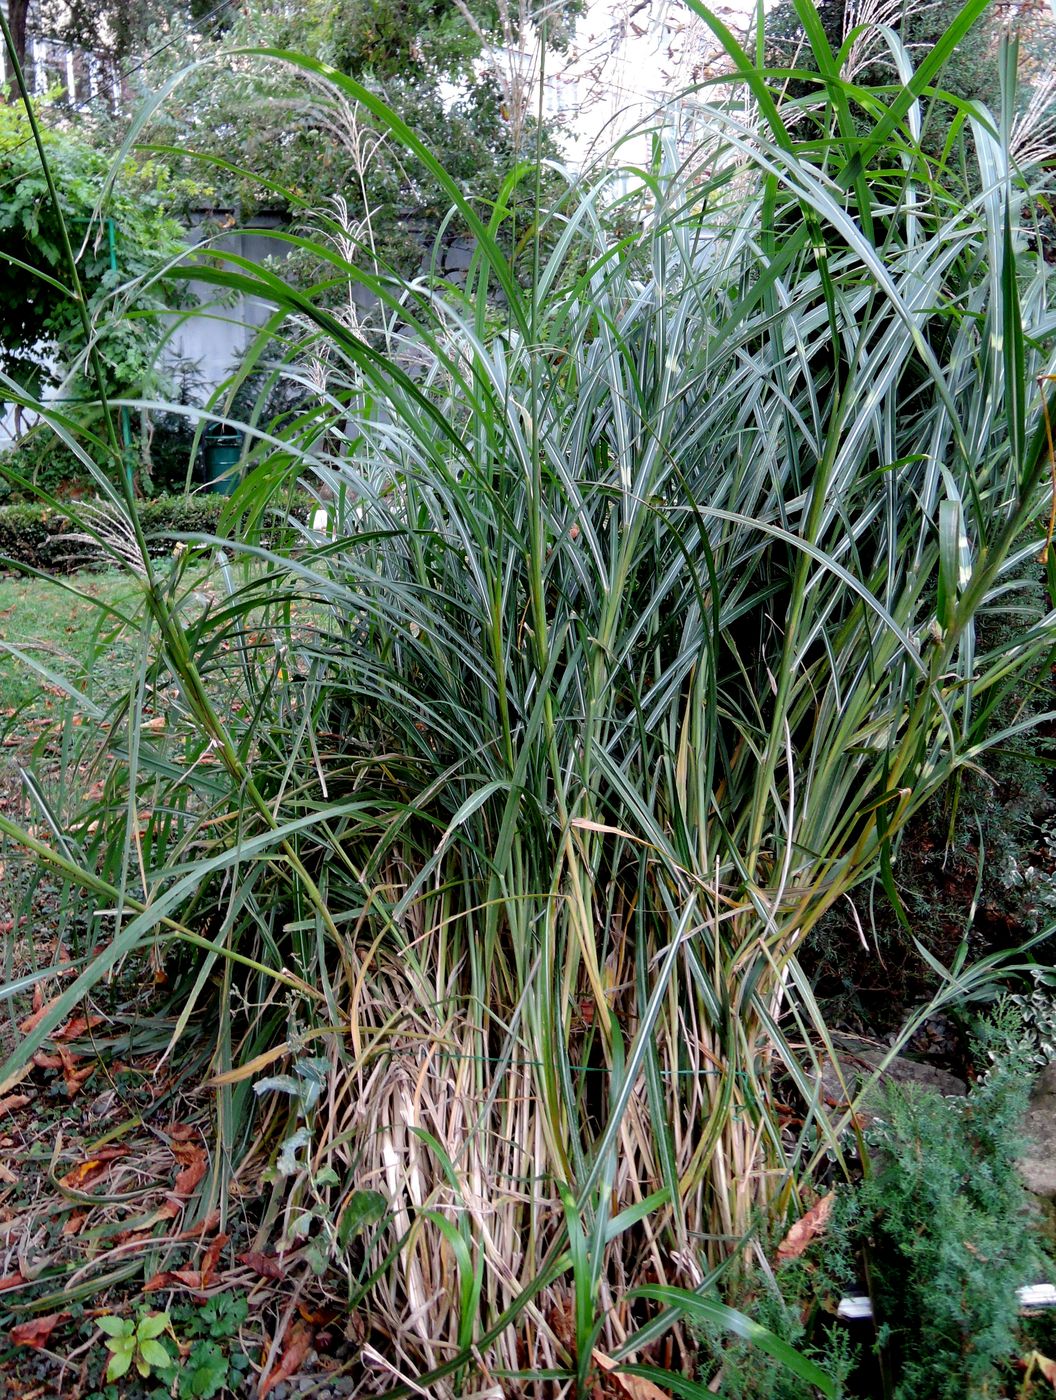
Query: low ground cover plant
481, 832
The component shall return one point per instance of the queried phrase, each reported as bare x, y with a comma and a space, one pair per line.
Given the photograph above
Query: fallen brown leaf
808, 1228
11, 1281
93, 1168
79, 1025
73, 1078
169, 1210
212, 1256
83, 1173
191, 1175
204, 1227
7, 1175
76, 1220
39, 1012
621, 1384
266, 1265
14, 1101
36, 1332
176, 1278
298, 1345
195, 1279
320, 1318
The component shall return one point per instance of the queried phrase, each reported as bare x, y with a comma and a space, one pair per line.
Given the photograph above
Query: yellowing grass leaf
1044, 1364
259, 1062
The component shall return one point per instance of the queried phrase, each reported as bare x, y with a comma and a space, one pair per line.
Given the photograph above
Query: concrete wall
216, 336
213, 339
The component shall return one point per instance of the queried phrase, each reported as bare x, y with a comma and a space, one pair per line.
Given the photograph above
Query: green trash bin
221, 451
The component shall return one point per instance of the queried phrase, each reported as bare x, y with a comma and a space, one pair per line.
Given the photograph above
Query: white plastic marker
855, 1309
1037, 1295
1031, 1295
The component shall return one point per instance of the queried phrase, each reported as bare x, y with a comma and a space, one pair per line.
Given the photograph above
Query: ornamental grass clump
488, 820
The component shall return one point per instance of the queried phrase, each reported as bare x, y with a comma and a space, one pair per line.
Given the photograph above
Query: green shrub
747, 1373
946, 1230
48, 464
40, 536
1023, 1022
45, 462
45, 537
941, 1234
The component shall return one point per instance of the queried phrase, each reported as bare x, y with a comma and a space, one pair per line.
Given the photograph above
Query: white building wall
215, 337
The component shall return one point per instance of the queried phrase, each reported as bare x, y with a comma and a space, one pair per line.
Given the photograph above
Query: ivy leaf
364, 1208
287, 1163
317, 1256
314, 1073
278, 1083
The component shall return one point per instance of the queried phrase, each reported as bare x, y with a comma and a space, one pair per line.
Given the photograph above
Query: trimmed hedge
39, 536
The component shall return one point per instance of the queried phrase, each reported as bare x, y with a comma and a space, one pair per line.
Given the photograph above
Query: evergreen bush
946, 1230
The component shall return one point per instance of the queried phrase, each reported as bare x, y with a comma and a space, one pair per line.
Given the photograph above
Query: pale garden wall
215, 337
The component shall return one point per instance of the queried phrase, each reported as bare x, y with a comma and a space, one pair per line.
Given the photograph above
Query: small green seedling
135, 1343
206, 1373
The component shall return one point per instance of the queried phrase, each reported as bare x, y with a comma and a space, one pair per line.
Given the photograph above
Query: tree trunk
17, 13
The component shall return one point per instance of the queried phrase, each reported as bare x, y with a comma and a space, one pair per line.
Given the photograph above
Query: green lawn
71, 636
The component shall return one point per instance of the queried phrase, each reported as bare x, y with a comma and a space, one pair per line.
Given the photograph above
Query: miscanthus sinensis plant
644, 620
